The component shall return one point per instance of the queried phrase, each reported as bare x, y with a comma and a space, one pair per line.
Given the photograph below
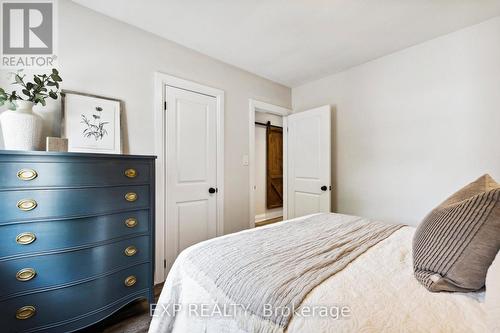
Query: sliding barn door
274, 167
191, 197
309, 162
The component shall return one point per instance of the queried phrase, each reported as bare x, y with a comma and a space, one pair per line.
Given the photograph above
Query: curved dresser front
76, 238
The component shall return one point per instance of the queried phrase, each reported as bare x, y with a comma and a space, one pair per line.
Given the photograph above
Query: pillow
457, 242
493, 295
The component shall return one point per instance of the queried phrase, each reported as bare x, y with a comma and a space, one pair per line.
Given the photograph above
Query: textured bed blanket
379, 287
272, 271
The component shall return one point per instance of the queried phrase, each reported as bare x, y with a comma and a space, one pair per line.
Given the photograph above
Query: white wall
103, 56
414, 126
261, 212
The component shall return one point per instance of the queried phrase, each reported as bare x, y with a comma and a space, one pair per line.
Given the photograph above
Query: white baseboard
268, 215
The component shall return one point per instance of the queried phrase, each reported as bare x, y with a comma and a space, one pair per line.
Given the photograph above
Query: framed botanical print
92, 124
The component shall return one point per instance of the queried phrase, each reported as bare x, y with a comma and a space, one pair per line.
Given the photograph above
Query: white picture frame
92, 124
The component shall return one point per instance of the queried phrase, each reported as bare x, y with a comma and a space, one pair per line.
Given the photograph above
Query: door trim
258, 106
162, 80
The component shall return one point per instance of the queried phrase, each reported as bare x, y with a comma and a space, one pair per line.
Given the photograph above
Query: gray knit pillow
456, 243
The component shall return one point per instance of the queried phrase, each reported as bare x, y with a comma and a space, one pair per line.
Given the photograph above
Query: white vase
22, 129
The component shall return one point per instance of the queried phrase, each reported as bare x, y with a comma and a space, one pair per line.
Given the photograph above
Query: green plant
35, 91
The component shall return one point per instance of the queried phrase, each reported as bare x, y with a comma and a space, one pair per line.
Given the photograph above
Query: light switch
245, 160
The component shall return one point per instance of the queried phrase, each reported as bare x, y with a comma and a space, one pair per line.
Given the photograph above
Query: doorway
190, 167
307, 170
268, 168
267, 163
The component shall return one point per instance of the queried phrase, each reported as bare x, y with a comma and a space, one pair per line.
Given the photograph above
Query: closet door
309, 162
191, 178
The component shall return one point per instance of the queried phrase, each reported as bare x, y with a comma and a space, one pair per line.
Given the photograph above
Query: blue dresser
76, 238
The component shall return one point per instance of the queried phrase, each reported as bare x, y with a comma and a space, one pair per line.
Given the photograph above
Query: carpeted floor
133, 318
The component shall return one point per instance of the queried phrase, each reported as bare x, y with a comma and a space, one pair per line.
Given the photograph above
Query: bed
374, 291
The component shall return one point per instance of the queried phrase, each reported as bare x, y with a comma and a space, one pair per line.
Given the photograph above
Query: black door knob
212, 190
324, 188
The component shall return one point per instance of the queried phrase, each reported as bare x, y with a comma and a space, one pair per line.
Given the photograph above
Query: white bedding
378, 287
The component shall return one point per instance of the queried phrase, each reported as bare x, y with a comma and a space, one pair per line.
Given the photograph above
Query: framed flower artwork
92, 124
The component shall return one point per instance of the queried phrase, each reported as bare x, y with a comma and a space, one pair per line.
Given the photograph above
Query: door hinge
165, 105
164, 263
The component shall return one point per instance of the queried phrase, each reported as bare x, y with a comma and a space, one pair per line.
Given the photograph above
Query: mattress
377, 292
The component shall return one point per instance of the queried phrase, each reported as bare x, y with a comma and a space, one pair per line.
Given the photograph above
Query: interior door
309, 162
274, 167
191, 162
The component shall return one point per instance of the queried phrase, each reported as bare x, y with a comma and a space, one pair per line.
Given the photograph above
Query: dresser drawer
46, 204
61, 234
43, 174
32, 272
50, 308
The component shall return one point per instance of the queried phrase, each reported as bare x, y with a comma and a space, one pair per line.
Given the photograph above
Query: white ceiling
295, 41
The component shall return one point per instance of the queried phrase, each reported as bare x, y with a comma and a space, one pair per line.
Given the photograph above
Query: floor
266, 222
133, 318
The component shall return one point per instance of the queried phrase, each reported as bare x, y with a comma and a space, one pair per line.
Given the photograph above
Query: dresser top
58, 154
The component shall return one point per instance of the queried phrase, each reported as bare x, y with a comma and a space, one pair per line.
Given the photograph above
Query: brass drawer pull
27, 174
131, 173
25, 312
130, 251
131, 222
26, 204
131, 196
25, 274
130, 281
25, 238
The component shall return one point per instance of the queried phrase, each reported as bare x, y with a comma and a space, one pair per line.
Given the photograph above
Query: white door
309, 162
191, 164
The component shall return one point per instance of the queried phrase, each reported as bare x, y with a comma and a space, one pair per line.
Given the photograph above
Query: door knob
212, 190
324, 188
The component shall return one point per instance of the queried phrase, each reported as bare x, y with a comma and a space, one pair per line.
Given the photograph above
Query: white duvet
378, 288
